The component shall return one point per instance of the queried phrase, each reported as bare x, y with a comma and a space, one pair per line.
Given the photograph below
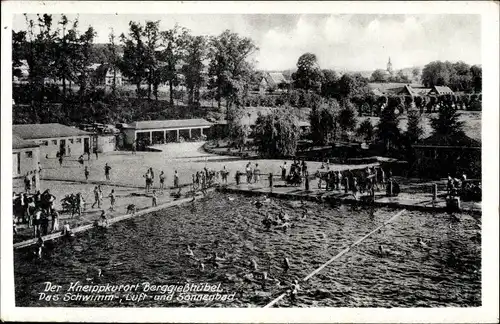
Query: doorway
86, 145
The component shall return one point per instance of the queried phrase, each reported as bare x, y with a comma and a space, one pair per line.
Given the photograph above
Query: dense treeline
367, 104
58, 53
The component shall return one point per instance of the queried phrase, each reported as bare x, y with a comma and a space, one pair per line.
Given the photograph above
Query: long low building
164, 131
54, 138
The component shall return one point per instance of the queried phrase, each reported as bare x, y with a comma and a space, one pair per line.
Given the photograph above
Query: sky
356, 42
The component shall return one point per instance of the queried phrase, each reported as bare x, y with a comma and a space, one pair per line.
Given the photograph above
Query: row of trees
458, 76
144, 55
311, 78
367, 104
277, 133
380, 75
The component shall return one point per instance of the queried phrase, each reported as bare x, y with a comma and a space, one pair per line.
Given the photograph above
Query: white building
54, 138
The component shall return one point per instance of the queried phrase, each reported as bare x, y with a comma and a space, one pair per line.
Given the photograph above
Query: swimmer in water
267, 221
304, 214
294, 290
286, 265
253, 265
189, 252
40, 245
104, 219
422, 243
381, 250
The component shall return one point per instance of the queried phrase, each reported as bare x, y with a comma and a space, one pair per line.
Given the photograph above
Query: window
29, 154
70, 141
45, 143
79, 140
54, 142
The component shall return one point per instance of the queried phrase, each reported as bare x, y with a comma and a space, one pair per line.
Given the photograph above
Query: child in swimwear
112, 198
154, 199
104, 219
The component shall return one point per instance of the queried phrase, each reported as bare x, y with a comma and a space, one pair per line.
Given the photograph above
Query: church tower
389, 66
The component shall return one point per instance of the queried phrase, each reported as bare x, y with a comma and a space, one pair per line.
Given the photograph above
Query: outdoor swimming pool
151, 249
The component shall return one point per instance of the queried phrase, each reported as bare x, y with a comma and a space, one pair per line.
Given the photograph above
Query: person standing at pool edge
283, 171
176, 179
162, 181
106, 171
86, 172
112, 198
154, 199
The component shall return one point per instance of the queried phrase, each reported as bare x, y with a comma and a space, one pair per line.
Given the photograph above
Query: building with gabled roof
440, 90
272, 81
54, 138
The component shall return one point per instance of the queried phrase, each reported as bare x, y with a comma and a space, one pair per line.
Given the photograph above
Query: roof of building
388, 86
19, 143
34, 131
442, 89
459, 139
275, 78
172, 123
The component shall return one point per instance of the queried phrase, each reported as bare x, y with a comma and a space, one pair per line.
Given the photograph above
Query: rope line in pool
338, 255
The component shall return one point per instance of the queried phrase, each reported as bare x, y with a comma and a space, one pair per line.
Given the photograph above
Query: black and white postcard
250, 162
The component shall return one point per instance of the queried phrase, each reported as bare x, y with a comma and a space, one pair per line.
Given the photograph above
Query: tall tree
414, 129
366, 130
114, 58
352, 85
18, 52
151, 44
477, 77
66, 51
86, 41
323, 120
193, 68
347, 118
379, 76
133, 64
446, 124
229, 69
40, 58
329, 84
308, 75
174, 40
277, 133
388, 130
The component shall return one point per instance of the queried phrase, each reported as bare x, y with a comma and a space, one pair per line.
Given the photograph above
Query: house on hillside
437, 156
272, 81
104, 74
440, 90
